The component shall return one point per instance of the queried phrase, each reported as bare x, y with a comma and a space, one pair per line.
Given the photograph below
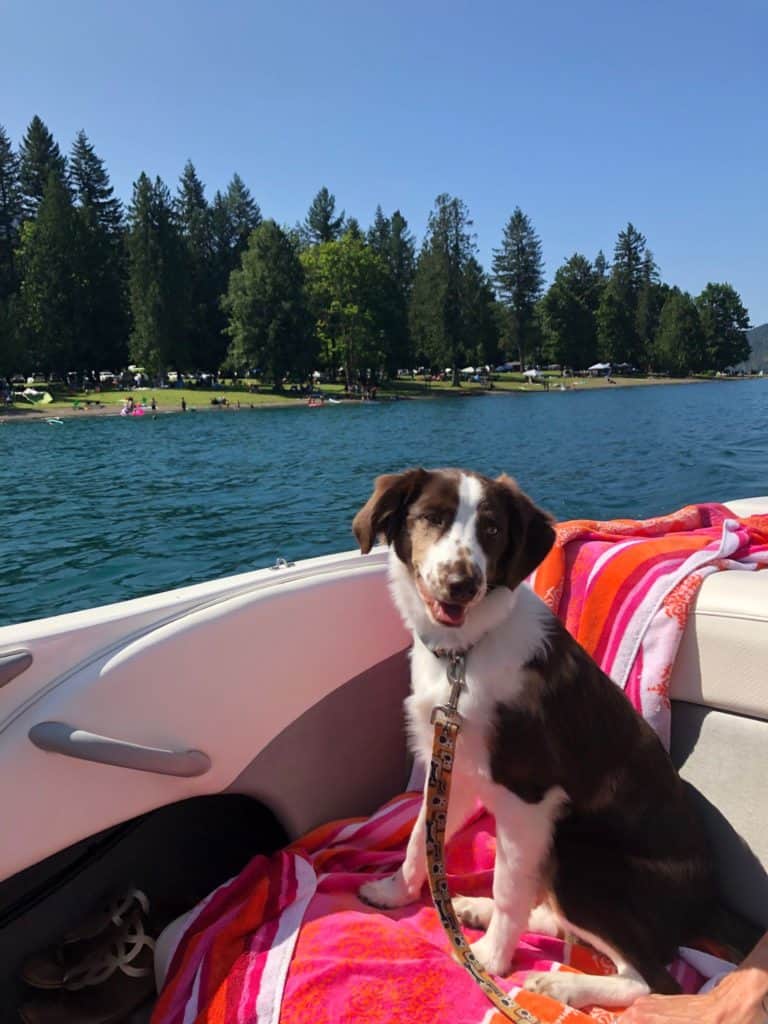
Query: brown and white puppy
588, 808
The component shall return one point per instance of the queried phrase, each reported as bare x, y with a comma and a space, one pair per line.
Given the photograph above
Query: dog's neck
495, 607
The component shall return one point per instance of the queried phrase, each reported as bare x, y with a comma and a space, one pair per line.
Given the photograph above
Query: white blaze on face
459, 546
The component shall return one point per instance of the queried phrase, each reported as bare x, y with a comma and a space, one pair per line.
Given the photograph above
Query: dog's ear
531, 533
385, 510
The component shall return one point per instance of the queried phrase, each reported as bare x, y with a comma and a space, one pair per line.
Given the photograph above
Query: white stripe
270, 995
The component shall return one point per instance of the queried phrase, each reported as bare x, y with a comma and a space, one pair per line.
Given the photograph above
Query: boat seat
719, 690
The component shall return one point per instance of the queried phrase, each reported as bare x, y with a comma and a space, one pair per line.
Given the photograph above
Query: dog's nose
463, 588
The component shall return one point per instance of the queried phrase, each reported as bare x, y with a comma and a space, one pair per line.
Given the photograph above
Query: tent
531, 373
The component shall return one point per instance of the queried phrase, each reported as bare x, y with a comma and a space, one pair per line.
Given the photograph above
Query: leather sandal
104, 987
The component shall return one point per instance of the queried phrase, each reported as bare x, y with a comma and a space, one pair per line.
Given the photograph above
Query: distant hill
758, 339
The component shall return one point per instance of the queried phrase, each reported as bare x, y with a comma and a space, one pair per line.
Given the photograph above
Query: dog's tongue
449, 614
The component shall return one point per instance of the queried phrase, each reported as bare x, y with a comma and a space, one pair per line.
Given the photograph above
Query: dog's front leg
405, 885
523, 838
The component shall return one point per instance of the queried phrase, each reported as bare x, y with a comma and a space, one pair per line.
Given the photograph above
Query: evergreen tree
156, 279
569, 311
53, 297
724, 321
321, 224
651, 296
619, 338
10, 214
91, 187
380, 233
203, 318
679, 347
601, 264
234, 216
102, 260
518, 269
268, 318
39, 157
482, 316
353, 229
438, 314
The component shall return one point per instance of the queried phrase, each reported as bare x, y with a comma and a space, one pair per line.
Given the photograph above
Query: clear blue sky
586, 114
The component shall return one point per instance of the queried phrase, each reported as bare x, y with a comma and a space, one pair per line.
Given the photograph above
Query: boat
256, 707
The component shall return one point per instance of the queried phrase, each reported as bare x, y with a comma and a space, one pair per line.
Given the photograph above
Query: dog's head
458, 533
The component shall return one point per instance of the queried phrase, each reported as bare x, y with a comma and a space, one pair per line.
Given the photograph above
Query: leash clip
448, 714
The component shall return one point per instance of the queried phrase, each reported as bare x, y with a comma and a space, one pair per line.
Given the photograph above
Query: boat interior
161, 743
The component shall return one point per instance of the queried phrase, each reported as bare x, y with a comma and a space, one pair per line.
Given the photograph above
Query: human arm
740, 998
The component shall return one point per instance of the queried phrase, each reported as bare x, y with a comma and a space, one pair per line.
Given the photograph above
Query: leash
447, 722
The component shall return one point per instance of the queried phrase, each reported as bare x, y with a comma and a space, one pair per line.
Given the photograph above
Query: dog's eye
491, 529
433, 518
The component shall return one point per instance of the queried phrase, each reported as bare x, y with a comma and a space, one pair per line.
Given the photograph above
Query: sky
586, 115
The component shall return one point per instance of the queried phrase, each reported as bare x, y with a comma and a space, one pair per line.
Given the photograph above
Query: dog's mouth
446, 613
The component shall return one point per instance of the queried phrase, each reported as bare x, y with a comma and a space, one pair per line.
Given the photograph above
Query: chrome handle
60, 738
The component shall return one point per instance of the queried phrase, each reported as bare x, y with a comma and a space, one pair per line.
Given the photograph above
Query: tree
390, 239
518, 269
268, 318
601, 264
438, 313
39, 157
156, 278
680, 346
349, 294
203, 319
104, 323
618, 334
569, 311
10, 216
482, 316
724, 321
380, 233
53, 298
320, 224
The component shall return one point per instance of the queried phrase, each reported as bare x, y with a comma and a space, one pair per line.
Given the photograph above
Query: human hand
723, 1005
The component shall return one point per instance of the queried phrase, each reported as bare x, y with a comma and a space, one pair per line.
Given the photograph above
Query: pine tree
618, 334
380, 233
102, 265
651, 296
569, 310
268, 318
203, 318
724, 320
438, 314
53, 296
601, 264
156, 278
482, 316
321, 224
518, 269
10, 215
39, 157
91, 186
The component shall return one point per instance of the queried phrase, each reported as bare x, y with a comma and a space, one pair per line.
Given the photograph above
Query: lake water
105, 509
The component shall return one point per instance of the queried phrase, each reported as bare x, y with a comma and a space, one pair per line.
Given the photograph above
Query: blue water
105, 509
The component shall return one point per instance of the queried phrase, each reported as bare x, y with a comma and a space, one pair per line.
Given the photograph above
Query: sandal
52, 967
104, 987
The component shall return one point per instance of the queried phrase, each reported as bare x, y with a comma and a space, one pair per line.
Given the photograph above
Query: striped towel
288, 941
625, 588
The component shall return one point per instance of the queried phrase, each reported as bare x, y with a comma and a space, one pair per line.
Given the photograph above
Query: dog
594, 834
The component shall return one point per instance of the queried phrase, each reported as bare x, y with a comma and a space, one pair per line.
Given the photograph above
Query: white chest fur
493, 676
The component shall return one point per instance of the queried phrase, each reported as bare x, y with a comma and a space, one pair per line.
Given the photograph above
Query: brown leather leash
447, 722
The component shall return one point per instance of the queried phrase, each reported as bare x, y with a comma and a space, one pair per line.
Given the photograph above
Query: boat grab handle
60, 738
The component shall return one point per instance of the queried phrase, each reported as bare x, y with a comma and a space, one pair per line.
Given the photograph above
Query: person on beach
153, 403
741, 997
183, 404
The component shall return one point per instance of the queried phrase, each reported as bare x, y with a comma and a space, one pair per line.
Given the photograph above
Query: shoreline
579, 385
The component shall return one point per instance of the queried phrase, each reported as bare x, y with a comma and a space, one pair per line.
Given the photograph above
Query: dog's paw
494, 960
473, 911
387, 893
556, 984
